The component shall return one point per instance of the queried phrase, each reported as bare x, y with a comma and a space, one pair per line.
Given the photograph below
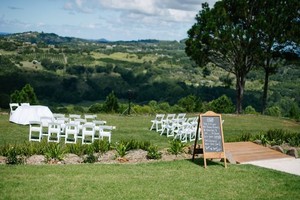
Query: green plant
153, 152
245, 137
264, 141
131, 144
276, 136
176, 147
101, 146
55, 151
250, 110
294, 139
77, 149
144, 145
4, 149
90, 158
121, 149
14, 157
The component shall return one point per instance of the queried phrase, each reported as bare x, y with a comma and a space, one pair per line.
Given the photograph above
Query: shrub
221, 105
190, 103
293, 139
79, 109
153, 152
111, 104
273, 111
121, 149
245, 137
262, 138
276, 136
55, 151
77, 149
101, 146
144, 145
96, 108
176, 147
14, 156
90, 158
250, 110
142, 109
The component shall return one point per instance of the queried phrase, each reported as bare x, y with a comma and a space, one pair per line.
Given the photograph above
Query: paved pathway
288, 165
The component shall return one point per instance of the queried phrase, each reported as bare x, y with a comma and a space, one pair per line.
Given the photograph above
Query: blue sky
95, 19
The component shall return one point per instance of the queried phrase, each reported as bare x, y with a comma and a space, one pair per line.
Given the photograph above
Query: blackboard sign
210, 124
212, 133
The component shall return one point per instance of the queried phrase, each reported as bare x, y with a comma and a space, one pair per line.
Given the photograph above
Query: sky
97, 19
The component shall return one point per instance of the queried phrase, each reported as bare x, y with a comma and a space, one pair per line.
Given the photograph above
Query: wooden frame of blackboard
212, 136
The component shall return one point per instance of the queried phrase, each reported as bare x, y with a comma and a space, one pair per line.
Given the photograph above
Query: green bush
77, 149
250, 110
222, 104
96, 108
276, 136
14, 156
245, 137
273, 111
176, 147
293, 139
55, 151
101, 146
121, 149
79, 109
144, 145
153, 153
90, 158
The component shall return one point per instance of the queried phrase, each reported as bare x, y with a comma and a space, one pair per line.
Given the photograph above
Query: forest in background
64, 70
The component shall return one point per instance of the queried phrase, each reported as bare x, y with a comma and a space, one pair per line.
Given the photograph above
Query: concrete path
288, 165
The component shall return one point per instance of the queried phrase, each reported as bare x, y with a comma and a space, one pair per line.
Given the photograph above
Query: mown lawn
137, 127
160, 180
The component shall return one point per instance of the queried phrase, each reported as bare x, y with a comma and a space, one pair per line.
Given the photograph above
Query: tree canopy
230, 36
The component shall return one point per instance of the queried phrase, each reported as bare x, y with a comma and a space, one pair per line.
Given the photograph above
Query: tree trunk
265, 92
240, 85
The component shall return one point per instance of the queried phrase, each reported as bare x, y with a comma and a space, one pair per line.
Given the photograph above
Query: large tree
277, 22
225, 36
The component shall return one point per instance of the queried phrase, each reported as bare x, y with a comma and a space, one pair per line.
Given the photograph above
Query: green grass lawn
162, 180
159, 180
137, 127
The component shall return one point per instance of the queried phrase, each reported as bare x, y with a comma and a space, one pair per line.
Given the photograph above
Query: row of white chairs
177, 126
71, 130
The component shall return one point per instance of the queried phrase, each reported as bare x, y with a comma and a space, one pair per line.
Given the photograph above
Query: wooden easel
212, 137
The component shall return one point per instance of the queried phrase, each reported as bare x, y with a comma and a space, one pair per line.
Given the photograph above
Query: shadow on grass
209, 162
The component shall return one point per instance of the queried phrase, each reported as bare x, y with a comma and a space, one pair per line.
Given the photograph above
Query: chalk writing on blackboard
212, 134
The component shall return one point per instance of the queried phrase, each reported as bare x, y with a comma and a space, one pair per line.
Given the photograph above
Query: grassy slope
137, 127
162, 180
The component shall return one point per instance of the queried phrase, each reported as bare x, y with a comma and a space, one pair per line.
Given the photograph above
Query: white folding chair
13, 107
72, 117
105, 131
97, 124
167, 122
157, 122
53, 132
89, 118
62, 121
35, 131
71, 131
80, 123
58, 115
45, 122
88, 133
